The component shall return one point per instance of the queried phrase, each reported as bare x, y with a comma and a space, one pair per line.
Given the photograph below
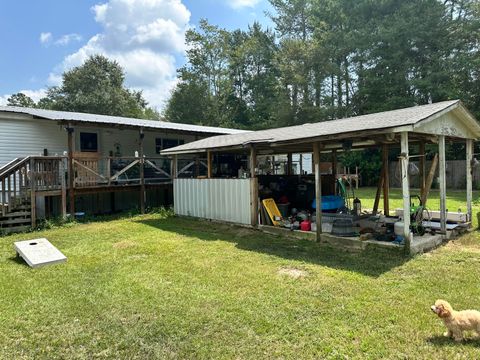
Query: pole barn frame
405, 128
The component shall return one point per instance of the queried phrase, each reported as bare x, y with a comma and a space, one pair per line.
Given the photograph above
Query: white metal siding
216, 199
23, 137
19, 138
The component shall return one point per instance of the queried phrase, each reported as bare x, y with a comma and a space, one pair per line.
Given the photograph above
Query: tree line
324, 59
329, 59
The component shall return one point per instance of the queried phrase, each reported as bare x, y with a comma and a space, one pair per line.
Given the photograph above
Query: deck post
33, 196
64, 189
174, 166
405, 189
142, 173
253, 187
209, 164
421, 164
443, 185
71, 172
469, 159
318, 190
386, 180
289, 164
334, 169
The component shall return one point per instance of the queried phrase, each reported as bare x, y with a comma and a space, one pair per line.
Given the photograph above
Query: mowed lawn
456, 200
150, 287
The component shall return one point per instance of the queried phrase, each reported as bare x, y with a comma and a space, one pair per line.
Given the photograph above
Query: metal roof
381, 121
116, 120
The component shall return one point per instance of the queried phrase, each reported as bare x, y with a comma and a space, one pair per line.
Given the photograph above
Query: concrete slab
39, 252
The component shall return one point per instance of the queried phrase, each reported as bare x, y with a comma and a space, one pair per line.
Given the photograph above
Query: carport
409, 128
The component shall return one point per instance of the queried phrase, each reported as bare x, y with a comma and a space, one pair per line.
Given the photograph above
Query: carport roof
454, 120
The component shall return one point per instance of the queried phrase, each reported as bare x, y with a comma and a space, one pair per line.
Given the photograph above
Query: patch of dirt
123, 244
292, 272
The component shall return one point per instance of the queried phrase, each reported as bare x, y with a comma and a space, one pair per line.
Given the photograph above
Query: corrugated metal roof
377, 121
117, 120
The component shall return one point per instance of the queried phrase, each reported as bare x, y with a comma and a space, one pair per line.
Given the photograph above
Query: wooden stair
15, 204
21, 180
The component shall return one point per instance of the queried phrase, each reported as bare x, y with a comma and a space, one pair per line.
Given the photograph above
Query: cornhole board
39, 252
272, 211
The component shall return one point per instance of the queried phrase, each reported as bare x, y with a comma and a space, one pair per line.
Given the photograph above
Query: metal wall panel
216, 199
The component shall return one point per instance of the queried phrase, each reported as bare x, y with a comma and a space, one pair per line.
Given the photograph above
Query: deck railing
21, 177
111, 171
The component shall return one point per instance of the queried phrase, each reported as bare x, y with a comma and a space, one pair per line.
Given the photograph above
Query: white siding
217, 199
22, 137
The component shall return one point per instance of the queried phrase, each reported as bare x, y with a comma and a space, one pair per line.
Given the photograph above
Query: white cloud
45, 37
67, 39
3, 99
35, 95
239, 4
144, 36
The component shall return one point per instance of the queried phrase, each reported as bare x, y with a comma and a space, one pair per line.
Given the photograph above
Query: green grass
456, 199
155, 287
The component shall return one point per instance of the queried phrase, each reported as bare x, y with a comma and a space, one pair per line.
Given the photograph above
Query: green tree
96, 87
22, 100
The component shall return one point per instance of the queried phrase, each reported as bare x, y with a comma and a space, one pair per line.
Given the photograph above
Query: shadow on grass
441, 340
18, 260
367, 263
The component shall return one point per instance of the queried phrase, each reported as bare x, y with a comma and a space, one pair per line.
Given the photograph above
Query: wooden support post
209, 164
64, 189
197, 166
421, 164
334, 169
378, 193
405, 190
4, 201
71, 172
386, 180
174, 167
33, 196
253, 187
469, 159
318, 190
14, 189
142, 173
429, 180
443, 184
289, 164
109, 170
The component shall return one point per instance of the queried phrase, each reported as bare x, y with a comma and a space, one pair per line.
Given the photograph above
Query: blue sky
41, 39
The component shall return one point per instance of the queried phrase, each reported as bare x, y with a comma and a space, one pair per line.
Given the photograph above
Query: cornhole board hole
39, 252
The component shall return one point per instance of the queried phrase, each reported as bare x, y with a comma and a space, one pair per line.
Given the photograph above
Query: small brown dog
457, 321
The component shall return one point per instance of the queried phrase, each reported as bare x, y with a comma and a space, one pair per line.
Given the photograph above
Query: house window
162, 144
88, 142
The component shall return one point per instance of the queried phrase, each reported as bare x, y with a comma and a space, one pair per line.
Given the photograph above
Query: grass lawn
155, 287
456, 199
